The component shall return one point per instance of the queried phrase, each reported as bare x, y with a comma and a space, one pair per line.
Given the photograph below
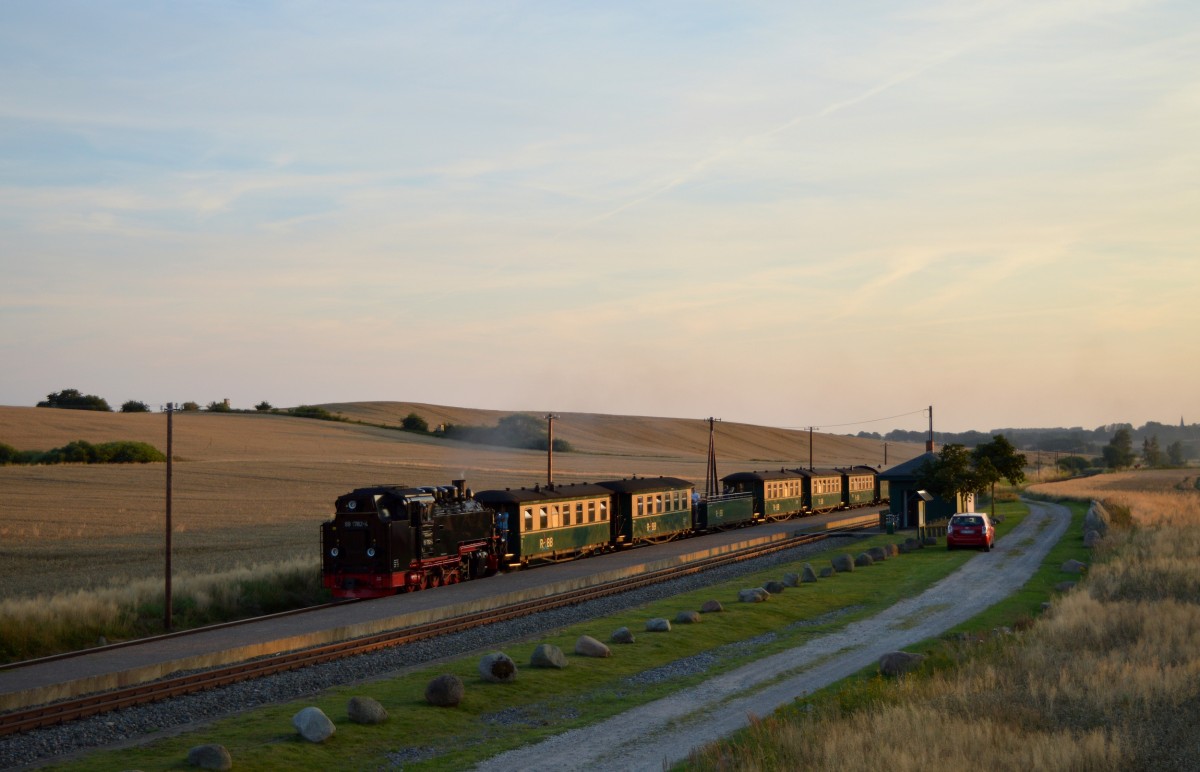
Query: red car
970, 529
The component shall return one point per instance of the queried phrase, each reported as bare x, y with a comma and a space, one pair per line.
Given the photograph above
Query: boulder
1074, 567
878, 554
211, 756
445, 691
1064, 586
929, 541
549, 655
1096, 519
863, 560
687, 618
891, 550
753, 595
313, 725
1091, 539
366, 710
791, 579
622, 635
807, 574
498, 668
658, 625
906, 548
711, 607
774, 587
842, 563
826, 572
896, 663
587, 646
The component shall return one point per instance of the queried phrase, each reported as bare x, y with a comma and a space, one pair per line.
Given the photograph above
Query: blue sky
780, 213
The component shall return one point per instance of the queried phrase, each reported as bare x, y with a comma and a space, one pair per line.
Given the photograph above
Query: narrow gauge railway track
91, 705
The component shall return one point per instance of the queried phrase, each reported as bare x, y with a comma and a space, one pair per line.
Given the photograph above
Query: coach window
528, 519
566, 514
658, 503
604, 511
641, 506
591, 511
544, 518
579, 513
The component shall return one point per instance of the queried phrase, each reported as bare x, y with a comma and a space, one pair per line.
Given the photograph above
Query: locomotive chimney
461, 485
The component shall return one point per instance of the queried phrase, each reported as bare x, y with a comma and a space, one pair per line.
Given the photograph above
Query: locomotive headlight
333, 553
370, 552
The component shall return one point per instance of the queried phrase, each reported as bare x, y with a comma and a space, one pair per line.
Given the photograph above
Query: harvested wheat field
253, 488
1150, 495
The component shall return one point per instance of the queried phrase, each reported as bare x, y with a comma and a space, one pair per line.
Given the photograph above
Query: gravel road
667, 730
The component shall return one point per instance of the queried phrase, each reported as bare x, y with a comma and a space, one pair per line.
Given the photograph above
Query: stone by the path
366, 710
313, 725
622, 635
842, 563
445, 691
658, 625
807, 574
548, 655
210, 756
863, 560
896, 663
587, 646
498, 668
774, 587
753, 595
711, 607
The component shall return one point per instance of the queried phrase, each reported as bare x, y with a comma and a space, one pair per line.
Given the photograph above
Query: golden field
252, 489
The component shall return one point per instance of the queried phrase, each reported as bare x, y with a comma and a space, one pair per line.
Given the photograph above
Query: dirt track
666, 731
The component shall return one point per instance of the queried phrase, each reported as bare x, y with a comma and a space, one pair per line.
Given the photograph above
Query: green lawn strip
867, 688
541, 703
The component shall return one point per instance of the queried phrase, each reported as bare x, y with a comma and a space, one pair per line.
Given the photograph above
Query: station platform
106, 668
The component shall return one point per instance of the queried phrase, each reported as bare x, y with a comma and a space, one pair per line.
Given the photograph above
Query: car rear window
968, 521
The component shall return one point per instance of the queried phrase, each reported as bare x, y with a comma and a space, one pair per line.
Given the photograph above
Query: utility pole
810, 447
170, 458
550, 449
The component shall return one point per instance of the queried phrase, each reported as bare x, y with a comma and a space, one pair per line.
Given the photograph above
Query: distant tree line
83, 452
1085, 443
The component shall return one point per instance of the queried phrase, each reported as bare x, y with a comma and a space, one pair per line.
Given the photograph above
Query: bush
8, 454
189, 407
219, 407
414, 423
71, 399
263, 407
312, 411
84, 452
133, 406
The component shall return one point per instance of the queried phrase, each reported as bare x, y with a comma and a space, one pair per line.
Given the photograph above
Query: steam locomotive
395, 538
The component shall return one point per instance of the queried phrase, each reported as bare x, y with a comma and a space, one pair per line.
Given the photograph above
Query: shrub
263, 407
189, 407
8, 454
312, 411
219, 407
133, 406
414, 423
71, 399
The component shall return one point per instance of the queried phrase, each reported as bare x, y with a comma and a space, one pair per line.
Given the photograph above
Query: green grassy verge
541, 703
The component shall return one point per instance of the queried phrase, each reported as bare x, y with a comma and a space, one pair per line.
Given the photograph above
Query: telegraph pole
550, 449
170, 456
810, 447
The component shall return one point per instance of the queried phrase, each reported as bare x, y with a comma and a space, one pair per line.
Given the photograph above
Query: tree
998, 460
133, 406
414, 423
1073, 464
1151, 452
263, 407
71, 399
219, 407
1175, 453
950, 474
189, 407
1118, 453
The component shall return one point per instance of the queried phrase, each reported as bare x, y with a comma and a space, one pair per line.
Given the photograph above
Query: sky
778, 213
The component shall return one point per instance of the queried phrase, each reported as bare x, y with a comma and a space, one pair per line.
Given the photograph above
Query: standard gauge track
84, 707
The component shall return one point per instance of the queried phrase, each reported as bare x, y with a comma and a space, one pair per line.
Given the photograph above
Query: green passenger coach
858, 487
554, 522
822, 489
650, 509
778, 495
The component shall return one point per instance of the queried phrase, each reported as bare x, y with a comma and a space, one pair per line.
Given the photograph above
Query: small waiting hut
912, 507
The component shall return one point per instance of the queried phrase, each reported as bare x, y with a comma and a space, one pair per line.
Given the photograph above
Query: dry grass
1109, 679
41, 625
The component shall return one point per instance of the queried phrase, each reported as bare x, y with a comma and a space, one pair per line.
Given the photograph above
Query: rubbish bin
891, 523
